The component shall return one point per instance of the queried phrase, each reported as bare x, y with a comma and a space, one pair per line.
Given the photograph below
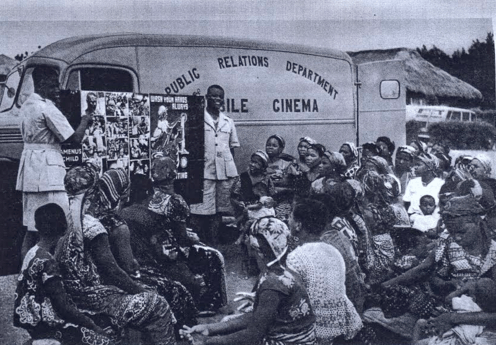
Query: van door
381, 101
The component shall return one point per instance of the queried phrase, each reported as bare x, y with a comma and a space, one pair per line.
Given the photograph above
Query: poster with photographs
169, 120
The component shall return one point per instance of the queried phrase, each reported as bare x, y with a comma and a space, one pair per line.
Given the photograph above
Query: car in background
427, 114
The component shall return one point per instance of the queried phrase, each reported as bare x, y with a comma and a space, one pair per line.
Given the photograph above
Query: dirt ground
236, 281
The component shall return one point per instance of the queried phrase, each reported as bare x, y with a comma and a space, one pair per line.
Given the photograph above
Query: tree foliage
475, 66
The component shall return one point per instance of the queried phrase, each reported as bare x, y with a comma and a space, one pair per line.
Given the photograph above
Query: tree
475, 66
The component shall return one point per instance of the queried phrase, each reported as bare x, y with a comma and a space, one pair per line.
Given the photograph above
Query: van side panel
379, 115
266, 92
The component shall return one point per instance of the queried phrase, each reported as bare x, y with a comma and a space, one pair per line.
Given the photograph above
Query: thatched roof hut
423, 79
6, 64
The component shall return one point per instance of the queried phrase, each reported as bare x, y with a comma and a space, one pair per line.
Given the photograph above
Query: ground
235, 277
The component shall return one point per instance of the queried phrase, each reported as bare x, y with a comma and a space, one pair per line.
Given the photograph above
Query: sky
348, 25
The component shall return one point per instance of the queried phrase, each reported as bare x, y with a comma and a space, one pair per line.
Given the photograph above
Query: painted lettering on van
183, 81
295, 105
237, 106
312, 76
243, 61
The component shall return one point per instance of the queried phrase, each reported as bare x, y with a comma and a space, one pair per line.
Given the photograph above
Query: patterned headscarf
459, 206
275, 232
343, 194
385, 186
81, 178
163, 169
113, 184
431, 161
308, 140
280, 139
263, 155
407, 149
337, 160
485, 161
357, 187
353, 149
381, 164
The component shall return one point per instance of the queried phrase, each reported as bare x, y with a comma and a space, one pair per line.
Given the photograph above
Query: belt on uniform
36, 146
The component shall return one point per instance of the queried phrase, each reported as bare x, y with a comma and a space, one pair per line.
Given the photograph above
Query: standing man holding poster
42, 169
220, 140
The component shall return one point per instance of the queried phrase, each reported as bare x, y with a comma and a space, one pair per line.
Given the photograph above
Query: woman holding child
464, 257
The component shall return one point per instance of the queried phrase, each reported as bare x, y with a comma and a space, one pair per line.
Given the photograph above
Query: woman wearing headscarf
303, 145
465, 256
331, 168
170, 259
403, 162
350, 154
103, 202
92, 277
386, 147
246, 194
252, 184
282, 312
323, 271
278, 163
426, 183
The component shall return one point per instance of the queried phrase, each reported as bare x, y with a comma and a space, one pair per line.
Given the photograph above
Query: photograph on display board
121, 162
139, 167
139, 126
92, 103
118, 148
139, 105
94, 139
139, 148
116, 103
117, 127
168, 126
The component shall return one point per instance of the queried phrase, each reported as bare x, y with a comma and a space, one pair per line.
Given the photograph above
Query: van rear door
381, 101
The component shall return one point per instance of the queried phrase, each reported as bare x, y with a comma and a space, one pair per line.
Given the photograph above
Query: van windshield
8, 90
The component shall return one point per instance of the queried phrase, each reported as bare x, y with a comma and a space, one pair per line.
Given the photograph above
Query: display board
129, 129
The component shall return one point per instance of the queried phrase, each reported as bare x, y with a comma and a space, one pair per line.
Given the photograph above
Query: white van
427, 114
270, 88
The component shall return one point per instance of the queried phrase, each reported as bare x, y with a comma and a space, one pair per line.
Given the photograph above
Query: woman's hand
441, 324
201, 329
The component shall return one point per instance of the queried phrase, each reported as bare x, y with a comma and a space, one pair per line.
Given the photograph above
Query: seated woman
381, 212
467, 254
386, 149
403, 163
164, 250
92, 277
42, 305
302, 180
246, 194
303, 146
350, 155
323, 271
331, 168
282, 313
276, 169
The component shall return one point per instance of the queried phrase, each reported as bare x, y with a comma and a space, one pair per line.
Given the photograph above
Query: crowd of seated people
371, 245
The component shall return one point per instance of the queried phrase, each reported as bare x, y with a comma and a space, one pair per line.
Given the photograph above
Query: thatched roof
420, 75
6, 64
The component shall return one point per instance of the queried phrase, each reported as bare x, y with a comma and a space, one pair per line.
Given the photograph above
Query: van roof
70, 49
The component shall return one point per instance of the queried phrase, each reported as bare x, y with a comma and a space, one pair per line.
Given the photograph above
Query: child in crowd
42, 306
427, 221
474, 296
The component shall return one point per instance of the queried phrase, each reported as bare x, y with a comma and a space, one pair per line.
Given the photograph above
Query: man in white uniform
220, 140
41, 168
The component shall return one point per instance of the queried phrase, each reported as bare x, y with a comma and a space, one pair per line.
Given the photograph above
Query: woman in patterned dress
163, 248
282, 313
91, 275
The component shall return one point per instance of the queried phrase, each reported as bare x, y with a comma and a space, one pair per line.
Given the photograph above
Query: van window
101, 79
466, 116
456, 116
8, 90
